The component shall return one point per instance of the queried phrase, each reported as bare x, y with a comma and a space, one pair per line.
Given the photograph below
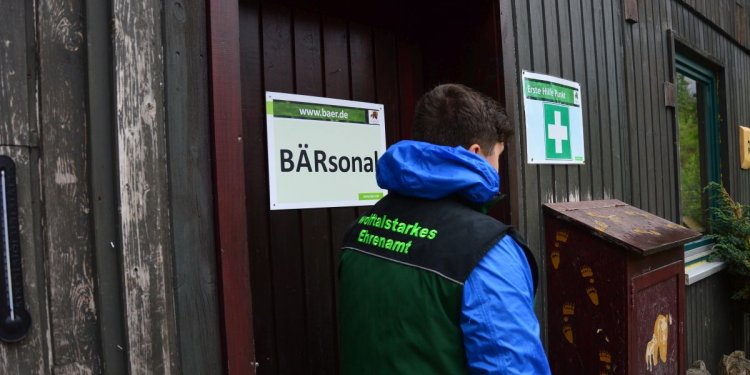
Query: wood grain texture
510, 76
538, 177
362, 62
15, 74
604, 68
667, 196
64, 168
592, 142
615, 107
579, 178
285, 227
104, 218
317, 249
631, 131
722, 50
143, 188
621, 67
569, 174
652, 94
191, 195
256, 185
554, 19
336, 73
30, 356
631, 10
706, 301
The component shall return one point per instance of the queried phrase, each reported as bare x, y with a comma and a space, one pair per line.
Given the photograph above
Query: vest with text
402, 271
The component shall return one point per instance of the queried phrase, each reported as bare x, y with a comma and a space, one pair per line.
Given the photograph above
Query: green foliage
730, 227
689, 144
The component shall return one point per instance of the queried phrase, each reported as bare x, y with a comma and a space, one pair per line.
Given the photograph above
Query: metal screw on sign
15, 320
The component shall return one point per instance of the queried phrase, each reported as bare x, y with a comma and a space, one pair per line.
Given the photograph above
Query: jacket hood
428, 171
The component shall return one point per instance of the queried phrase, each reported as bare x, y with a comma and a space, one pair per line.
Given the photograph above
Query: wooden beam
191, 197
143, 187
229, 195
65, 179
631, 10
669, 94
14, 92
104, 225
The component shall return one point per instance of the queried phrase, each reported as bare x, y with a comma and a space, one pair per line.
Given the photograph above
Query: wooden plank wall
65, 191
190, 187
19, 140
341, 54
728, 16
575, 40
709, 325
734, 58
622, 67
712, 329
104, 108
294, 253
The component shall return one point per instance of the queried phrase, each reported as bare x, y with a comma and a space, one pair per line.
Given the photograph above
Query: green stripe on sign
551, 92
322, 112
370, 196
269, 107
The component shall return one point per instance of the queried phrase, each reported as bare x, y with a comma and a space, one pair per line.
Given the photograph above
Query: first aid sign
554, 120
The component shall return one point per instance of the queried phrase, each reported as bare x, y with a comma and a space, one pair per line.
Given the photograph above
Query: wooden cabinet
616, 290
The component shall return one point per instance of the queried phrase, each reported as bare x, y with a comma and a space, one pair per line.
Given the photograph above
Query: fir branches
730, 229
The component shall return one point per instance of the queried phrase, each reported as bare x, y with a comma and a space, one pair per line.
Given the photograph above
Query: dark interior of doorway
373, 51
452, 42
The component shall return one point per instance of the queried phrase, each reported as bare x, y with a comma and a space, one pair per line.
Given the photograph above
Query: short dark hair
456, 115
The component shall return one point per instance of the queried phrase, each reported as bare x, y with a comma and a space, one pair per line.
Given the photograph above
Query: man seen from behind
429, 284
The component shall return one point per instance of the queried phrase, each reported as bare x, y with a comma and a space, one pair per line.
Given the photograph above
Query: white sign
323, 152
554, 120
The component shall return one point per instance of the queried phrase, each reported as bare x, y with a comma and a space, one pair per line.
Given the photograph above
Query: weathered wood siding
229, 172
711, 323
734, 91
65, 191
629, 131
190, 182
577, 40
727, 16
294, 253
29, 356
19, 140
104, 108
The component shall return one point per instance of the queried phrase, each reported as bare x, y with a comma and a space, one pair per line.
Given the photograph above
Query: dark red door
372, 52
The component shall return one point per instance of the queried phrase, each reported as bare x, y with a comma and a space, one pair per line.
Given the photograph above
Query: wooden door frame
231, 212
229, 186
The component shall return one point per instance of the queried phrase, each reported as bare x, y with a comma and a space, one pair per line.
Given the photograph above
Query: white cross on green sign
554, 120
557, 132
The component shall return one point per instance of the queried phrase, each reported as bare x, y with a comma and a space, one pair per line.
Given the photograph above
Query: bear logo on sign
373, 117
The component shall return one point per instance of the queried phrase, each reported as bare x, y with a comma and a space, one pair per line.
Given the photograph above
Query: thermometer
15, 320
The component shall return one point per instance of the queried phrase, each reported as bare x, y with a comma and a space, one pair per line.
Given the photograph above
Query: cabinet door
657, 317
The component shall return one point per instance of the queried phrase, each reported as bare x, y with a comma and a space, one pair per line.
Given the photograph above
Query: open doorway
372, 51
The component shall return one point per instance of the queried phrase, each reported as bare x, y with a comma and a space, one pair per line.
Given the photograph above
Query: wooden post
191, 196
229, 174
143, 187
66, 195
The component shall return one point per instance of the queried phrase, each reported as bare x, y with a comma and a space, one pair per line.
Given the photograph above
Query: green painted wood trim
711, 145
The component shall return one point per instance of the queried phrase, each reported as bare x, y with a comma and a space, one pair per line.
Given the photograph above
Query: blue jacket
501, 331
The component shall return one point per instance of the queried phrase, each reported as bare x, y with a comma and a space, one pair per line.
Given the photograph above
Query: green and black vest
402, 271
